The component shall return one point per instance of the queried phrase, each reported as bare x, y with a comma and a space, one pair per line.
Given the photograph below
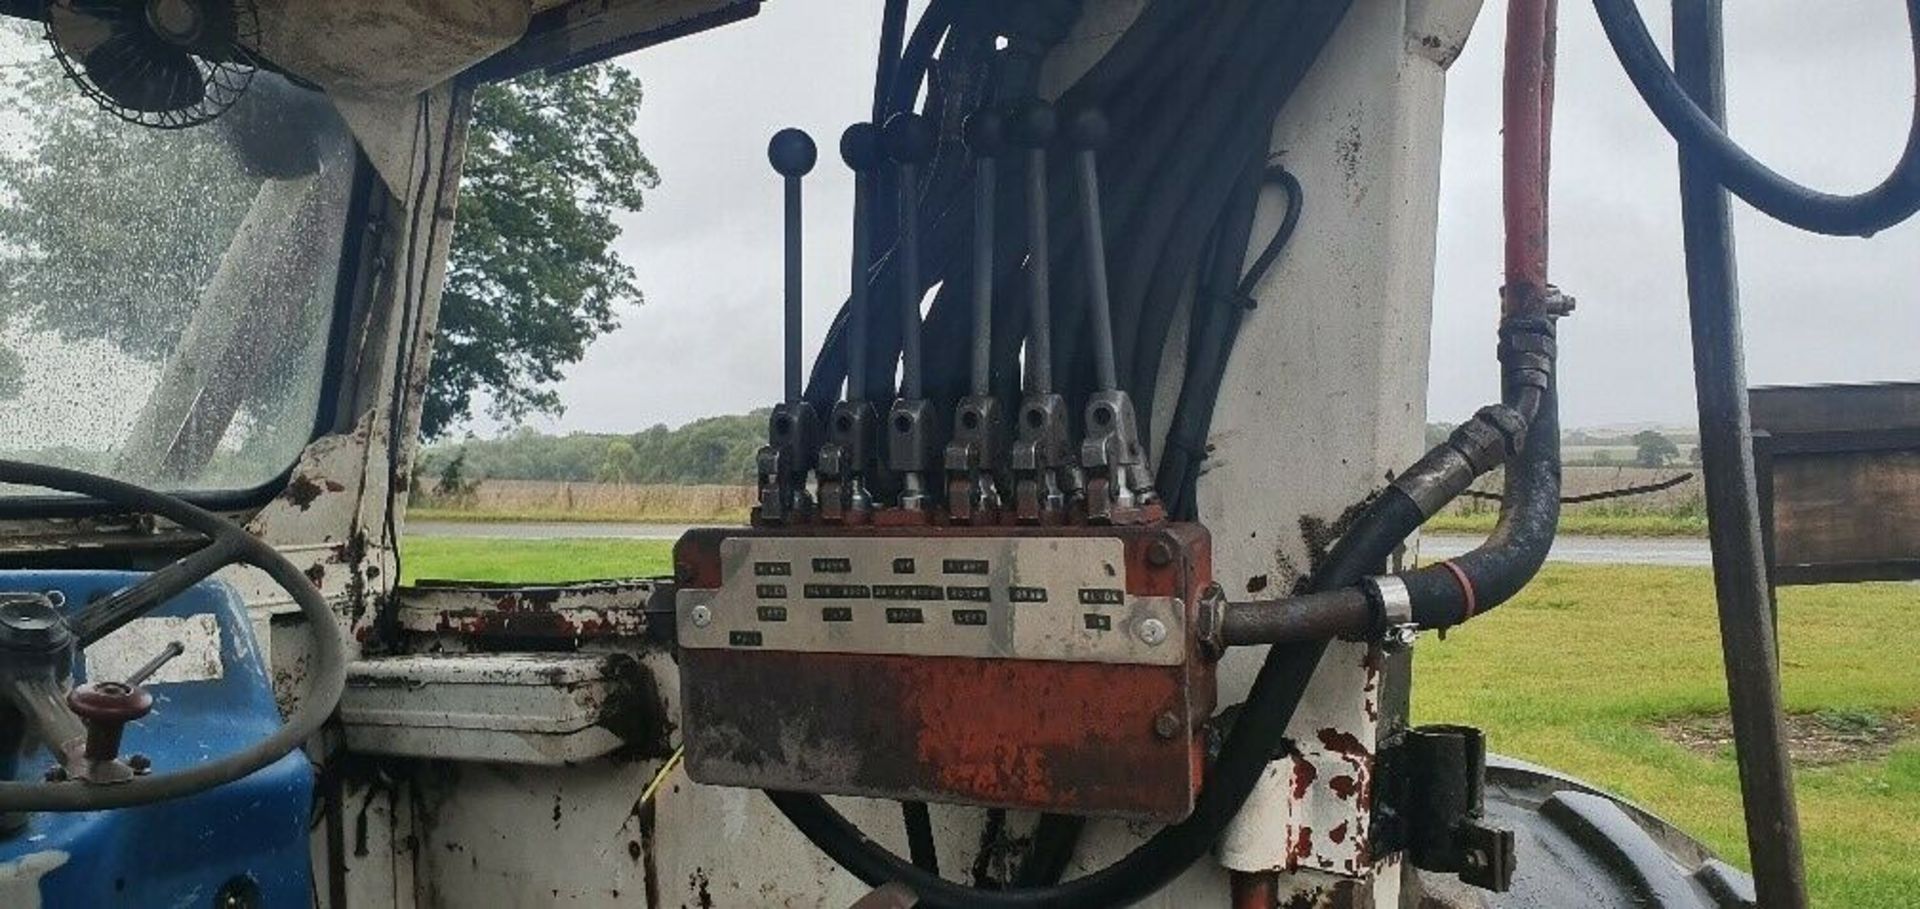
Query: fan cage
224, 81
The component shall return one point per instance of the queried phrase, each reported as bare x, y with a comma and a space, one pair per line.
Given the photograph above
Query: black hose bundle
1190, 100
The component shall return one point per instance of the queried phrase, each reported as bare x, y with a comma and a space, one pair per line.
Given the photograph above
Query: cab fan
167, 64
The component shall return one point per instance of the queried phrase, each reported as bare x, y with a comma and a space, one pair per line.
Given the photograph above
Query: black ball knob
1034, 123
792, 152
986, 133
860, 147
909, 138
1087, 129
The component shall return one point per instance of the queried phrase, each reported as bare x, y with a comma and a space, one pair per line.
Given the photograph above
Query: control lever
793, 430
1044, 445
105, 708
913, 433
165, 656
1111, 453
979, 441
852, 431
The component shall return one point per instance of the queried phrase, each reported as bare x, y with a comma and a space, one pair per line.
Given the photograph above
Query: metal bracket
978, 450
793, 443
1431, 800
1395, 602
1113, 457
1043, 449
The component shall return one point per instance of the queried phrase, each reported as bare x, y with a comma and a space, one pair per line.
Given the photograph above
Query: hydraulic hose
1894, 200
1458, 589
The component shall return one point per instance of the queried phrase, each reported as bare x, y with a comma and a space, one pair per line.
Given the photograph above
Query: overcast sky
1821, 91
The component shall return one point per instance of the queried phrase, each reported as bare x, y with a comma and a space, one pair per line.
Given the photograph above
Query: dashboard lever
165, 656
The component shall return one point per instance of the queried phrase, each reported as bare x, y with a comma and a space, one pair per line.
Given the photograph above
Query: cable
920, 846
1894, 200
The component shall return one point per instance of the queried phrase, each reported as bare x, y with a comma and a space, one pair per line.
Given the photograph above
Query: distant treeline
720, 450
710, 451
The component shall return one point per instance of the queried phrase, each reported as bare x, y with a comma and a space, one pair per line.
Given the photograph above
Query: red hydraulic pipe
1256, 890
1526, 143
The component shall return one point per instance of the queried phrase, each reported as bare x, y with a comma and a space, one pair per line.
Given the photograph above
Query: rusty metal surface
1080, 737
493, 615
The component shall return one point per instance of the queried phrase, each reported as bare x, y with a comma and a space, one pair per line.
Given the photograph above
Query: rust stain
302, 491
701, 886
1344, 786
1301, 848
1319, 536
1346, 744
1339, 832
1303, 776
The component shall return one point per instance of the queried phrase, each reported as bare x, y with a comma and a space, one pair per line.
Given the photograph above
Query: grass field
1576, 674
532, 561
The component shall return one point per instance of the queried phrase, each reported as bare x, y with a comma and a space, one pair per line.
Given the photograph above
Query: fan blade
142, 73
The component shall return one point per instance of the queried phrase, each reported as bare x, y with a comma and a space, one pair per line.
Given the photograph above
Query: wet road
1592, 550
540, 531
1584, 550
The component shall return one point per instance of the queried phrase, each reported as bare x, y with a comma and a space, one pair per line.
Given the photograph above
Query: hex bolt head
1400, 637
1159, 554
1152, 632
702, 616
1166, 725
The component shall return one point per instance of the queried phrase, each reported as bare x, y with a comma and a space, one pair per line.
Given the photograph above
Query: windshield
165, 296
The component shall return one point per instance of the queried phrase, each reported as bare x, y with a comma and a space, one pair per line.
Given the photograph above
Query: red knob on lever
106, 708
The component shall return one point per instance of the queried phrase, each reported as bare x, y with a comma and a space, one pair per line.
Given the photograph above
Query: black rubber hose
920, 845
1893, 201
917, 57
1219, 309
1458, 589
893, 31
1213, 318
1054, 839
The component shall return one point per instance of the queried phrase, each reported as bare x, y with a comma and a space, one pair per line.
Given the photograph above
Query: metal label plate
1033, 598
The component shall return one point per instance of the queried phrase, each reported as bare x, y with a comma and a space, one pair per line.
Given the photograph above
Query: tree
532, 278
110, 233
1651, 449
622, 465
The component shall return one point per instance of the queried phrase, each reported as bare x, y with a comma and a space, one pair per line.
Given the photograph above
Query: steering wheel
228, 544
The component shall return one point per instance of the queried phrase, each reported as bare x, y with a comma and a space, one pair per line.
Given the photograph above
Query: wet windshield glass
166, 297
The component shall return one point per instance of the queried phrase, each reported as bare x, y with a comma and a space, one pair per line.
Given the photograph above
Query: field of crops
542, 500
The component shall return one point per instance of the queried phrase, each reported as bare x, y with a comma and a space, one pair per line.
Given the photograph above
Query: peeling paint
20, 879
